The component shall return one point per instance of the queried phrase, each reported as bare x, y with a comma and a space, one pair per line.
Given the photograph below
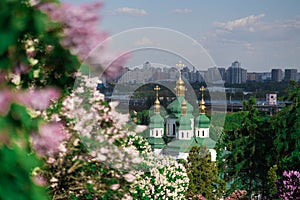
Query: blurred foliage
47, 63
22, 24
16, 158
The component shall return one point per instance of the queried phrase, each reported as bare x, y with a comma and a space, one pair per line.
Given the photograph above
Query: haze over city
260, 34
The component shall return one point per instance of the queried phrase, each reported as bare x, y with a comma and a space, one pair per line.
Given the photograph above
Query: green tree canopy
203, 174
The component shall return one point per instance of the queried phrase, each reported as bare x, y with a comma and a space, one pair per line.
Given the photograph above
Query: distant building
252, 77
200, 76
271, 99
185, 72
290, 75
193, 76
215, 74
136, 75
147, 65
264, 76
276, 75
222, 71
235, 74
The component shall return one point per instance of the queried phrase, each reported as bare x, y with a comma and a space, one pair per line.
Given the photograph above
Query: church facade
180, 130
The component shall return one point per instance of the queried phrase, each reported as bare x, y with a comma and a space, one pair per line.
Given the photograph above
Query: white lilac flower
129, 177
115, 186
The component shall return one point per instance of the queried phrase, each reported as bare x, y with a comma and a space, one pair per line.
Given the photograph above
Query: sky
261, 34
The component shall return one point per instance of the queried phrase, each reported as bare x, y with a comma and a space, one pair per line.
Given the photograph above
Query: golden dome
157, 103
202, 106
180, 88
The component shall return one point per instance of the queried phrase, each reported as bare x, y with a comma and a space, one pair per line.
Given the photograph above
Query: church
180, 130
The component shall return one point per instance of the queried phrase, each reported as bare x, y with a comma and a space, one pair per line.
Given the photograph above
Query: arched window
187, 134
156, 132
173, 129
182, 135
203, 133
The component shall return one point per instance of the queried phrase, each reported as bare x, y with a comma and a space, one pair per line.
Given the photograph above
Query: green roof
156, 143
145, 133
202, 121
156, 121
185, 123
174, 109
186, 145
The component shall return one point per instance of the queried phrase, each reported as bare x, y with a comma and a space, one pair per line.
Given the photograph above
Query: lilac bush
289, 185
80, 23
82, 36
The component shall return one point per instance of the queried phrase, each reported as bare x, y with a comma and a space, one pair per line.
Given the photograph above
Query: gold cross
202, 89
180, 64
157, 89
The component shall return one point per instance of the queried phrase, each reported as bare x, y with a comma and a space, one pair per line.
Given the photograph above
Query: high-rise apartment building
215, 74
290, 75
276, 75
235, 74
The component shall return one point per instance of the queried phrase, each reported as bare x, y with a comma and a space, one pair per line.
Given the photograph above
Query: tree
272, 178
203, 174
245, 166
286, 125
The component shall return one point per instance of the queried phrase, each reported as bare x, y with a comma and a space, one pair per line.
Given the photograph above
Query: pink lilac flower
6, 98
21, 68
79, 25
115, 67
81, 35
39, 180
38, 99
289, 185
48, 139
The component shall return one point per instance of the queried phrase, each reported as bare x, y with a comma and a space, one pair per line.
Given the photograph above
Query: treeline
255, 149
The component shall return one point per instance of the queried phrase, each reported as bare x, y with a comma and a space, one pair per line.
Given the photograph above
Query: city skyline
233, 74
262, 35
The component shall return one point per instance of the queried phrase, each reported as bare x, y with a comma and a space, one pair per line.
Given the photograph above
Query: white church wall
156, 132
182, 155
185, 134
202, 132
157, 151
193, 124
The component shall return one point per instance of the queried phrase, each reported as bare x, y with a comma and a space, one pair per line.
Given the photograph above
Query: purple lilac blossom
47, 141
38, 99
81, 35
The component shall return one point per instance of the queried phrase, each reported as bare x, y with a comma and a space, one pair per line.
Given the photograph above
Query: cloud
255, 41
182, 11
130, 11
245, 23
252, 30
